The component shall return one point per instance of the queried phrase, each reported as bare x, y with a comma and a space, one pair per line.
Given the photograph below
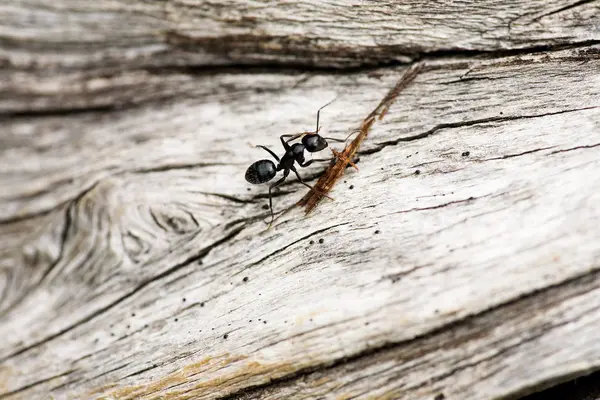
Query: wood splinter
336, 171
341, 157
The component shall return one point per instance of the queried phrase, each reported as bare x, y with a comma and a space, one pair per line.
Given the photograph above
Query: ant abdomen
261, 171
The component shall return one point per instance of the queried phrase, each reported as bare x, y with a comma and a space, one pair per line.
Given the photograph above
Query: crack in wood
104, 373
174, 167
279, 250
565, 8
287, 68
450, 203
590, 146
452, 125
523, 153
34, 384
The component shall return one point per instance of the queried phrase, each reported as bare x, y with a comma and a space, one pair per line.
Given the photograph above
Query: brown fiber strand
336, 171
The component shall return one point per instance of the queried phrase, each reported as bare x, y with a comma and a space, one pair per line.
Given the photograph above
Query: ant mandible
264, 170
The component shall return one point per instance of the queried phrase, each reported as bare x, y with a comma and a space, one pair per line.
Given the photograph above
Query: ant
263, 171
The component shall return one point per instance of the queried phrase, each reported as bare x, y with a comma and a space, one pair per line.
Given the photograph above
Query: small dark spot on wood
248, 189
128, 326
265, 322
212, 329
436, 311
377, 232
245, 279
145, 326
440, 397
200, 262
249, 320
112, 334
202, 304
501, 113
465, 153
176, 319
344, 181
351, 187
154, 365
260, 319
417, 172
228, 324
183, 300
133, 314
96, 340
311, 242
265, 207
225, 336
382, 168
321, 240
366, 323
471, 198
409, 156
417, 152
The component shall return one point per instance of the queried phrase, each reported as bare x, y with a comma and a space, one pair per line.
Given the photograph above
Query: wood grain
460, 262
64, 55
132, 230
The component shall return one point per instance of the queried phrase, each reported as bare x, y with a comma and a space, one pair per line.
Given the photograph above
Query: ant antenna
319, 112
347, 137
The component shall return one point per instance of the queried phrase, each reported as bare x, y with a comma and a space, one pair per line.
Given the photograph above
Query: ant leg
292, 137
308, 186
279, 182
296, 136
307, 163
270, 152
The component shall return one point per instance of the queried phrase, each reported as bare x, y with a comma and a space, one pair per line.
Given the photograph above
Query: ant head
314, 142
261, 171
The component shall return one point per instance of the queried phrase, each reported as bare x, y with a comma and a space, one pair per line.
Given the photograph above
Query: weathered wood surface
127, 230
65, 55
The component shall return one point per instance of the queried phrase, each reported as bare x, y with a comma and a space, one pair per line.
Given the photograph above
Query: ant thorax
297, 149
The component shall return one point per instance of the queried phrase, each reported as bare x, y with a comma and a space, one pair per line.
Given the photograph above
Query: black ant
264, 170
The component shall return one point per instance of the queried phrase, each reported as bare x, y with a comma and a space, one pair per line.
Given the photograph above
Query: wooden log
461, 261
